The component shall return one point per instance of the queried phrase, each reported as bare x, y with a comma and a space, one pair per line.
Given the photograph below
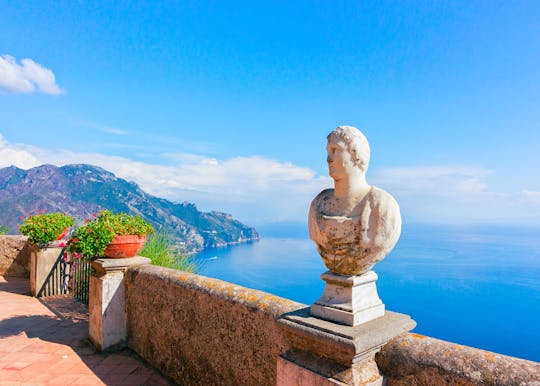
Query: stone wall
14, 256
201, 331
414, 359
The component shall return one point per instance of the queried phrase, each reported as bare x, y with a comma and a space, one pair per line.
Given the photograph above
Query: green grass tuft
160, 250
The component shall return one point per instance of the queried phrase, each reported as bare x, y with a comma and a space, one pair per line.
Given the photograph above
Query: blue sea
475, 285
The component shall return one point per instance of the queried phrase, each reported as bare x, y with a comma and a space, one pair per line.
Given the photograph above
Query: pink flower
75, 240
22, 218
94, 215
62, 244
89, 230
77, 255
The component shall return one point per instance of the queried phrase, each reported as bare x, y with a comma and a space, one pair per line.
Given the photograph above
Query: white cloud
445, 181
257, 188
26, 77
531, 197
14, 155
455, 194
104, 128
253, 188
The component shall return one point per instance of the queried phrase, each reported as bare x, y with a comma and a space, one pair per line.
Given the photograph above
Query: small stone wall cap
111, 264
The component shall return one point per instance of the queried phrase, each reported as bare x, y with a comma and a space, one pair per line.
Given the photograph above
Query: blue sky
228, 105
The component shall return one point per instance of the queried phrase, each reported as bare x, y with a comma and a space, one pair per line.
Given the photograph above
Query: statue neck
353, 186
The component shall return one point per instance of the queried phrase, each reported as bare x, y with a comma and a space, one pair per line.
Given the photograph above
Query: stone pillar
42, 261
327, 353
107, 303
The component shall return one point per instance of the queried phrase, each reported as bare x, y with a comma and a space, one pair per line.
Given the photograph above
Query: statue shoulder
316, 204
322, 196
385, 217
383, 200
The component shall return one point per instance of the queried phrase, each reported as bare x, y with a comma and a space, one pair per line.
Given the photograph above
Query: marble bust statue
354, 225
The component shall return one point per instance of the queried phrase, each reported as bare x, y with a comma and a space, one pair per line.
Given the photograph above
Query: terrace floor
45, 342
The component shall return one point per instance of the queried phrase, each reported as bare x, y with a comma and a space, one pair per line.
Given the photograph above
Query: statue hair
356, 143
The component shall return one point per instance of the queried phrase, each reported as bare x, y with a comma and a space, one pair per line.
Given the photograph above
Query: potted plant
110, 235
46, 227
44, 231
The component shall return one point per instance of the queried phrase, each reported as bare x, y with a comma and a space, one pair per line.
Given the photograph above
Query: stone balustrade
199, 330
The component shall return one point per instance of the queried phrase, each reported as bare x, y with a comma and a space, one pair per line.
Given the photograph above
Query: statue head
346, 144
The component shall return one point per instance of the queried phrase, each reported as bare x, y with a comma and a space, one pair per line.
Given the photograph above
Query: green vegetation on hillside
4, 230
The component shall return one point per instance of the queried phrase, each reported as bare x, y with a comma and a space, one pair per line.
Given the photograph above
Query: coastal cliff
82, 190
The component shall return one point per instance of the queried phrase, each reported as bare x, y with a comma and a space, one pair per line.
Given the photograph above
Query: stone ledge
267, 303
417, 359
341, 343
106, 264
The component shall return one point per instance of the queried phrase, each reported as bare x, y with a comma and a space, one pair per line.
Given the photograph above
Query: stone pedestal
350, 300
327, 353
42, 261
107, 303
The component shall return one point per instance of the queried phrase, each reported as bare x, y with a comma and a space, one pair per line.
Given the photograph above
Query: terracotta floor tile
45, 342
113, 379
17, 365
88, 380
135, 380
10, 375
66, 379
126, 368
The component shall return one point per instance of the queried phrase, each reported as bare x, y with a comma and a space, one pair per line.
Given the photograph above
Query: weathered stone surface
413, 359
203, 331
340, 343
302, 368
105, 265
107, 302
354, 225
293, 371
337, 352
200, 331
14, 256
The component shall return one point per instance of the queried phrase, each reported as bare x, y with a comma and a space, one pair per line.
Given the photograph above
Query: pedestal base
350, 300
325, 353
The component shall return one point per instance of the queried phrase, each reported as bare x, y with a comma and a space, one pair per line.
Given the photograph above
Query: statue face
340, 162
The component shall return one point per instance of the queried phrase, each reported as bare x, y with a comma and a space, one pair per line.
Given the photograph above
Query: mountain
83, 190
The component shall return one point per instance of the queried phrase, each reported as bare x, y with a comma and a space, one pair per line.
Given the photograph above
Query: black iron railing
80, 279
56, 282
68, 277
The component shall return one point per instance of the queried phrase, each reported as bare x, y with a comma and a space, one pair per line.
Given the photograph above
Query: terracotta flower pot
61, 235
125, 246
